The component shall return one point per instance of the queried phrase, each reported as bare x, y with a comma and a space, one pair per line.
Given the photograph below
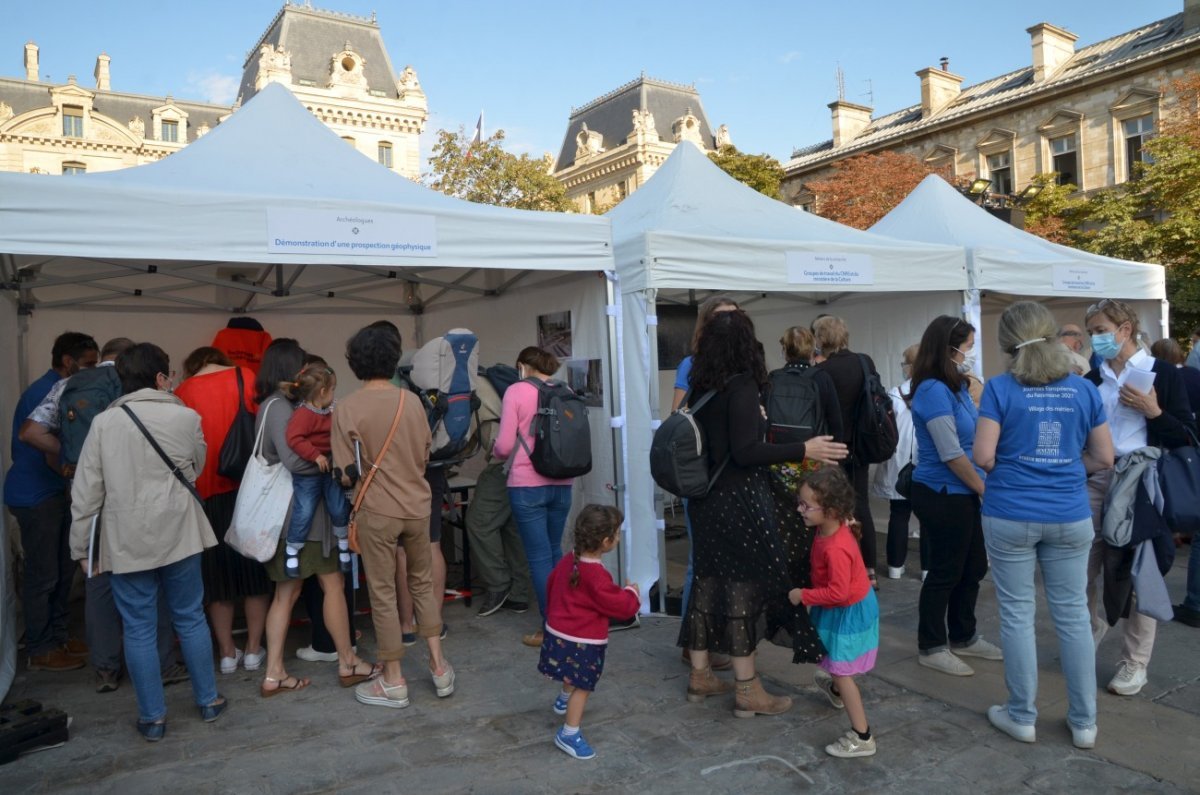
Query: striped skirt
850, 635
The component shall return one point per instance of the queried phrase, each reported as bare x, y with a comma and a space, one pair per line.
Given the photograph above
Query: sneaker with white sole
444, 683
252, 661
850, 745
1082, 738
1130, 679
945, 662
574, 745
998, 716
492, 602
377, 693
895, 572
979, 648
230, 665
824, 683
309, 654
560, 703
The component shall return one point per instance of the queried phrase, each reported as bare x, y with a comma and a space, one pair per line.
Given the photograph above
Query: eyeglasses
804, 507
1099, 307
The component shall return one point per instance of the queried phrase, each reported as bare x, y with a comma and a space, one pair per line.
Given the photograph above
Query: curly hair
728, 346
835, 495
373, 353
594, 525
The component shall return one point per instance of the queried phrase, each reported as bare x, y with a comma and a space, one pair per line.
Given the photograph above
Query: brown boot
718, 662
55, 660
750, 699
704, 683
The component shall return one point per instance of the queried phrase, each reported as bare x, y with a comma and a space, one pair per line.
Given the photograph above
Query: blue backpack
86, 394
443, 374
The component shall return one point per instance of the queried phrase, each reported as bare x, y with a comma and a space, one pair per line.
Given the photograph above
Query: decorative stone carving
643, 122
6, 112
202, 129
137, 126
687, 128
408, 80
274, 66
723, 138
346, 70
588, 143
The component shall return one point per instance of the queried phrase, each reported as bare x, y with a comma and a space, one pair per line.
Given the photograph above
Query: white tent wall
9, 394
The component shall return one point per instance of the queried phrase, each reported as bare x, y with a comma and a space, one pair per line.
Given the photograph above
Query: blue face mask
1105, 345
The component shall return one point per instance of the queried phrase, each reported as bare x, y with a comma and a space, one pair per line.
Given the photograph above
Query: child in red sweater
308, 436
841, 602
581, 597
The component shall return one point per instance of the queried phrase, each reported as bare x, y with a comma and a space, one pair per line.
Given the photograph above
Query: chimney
848, 121
939, 88
1052, 47
102, 83
31, 62
1191, 14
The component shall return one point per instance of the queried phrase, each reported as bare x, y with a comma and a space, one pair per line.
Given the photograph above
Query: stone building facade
1081, 113
336, 64
616, 142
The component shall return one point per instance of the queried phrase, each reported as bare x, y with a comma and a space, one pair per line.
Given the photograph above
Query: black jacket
1169, 429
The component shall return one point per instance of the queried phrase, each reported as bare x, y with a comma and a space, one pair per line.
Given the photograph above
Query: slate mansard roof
612, 114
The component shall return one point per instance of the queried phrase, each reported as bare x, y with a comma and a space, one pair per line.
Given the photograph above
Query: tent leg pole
617, 404
650, 362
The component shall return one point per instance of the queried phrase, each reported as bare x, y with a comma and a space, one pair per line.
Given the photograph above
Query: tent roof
209, 203
693, 226
1010, 260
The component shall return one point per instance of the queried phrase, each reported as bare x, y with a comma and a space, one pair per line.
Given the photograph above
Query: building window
72, 122
1137, 132
170, 131
1000, 172
350, 141
622, 190
71, 169
591, 201
1064, 155
385, 154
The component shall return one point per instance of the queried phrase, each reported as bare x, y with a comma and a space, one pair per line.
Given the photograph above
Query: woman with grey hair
1042, 430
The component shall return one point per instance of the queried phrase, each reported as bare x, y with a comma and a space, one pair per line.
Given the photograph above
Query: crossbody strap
182, 478
362, 490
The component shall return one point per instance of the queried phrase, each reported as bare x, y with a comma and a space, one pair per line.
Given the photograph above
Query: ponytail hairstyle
594, 525
312, 379
538, 359
835, 495
1028, 333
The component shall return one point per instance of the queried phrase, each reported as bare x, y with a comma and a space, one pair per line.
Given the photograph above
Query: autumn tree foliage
761, 172
867, 187
484, 172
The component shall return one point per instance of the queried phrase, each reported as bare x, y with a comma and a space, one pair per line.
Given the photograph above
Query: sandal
282, 686
355, 677
874, 580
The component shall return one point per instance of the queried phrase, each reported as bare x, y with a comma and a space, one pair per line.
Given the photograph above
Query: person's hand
1145, 403
825, 450
322, 463
794, 597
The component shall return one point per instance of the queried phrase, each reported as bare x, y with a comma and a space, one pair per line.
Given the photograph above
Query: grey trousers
495, 541
103, 629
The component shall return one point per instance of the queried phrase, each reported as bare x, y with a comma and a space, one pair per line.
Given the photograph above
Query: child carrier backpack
444, 375
562, 437
86, 394
795, 412
875, 433
679, 452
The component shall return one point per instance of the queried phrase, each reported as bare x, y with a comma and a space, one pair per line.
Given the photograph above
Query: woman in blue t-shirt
1042, 431
945, 496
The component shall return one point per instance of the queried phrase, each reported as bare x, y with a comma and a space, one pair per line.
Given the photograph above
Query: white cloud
214, 87
788, 57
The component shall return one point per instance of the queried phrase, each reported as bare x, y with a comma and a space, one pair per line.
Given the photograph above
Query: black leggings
862, 511
897, 536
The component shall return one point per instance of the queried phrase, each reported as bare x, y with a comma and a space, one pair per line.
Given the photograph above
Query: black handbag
904, 480
1179, 480
239, 441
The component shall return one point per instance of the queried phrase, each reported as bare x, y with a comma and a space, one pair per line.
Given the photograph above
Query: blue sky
764, 68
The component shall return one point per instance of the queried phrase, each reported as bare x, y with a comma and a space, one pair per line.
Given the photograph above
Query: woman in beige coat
136, 475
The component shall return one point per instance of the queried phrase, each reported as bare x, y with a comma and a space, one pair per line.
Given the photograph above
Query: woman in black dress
739, 594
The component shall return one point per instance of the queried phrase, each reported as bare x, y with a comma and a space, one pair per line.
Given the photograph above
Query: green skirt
311, 561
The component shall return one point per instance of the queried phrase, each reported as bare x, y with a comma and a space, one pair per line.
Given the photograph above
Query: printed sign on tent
1076, 279
829, 268
351, 232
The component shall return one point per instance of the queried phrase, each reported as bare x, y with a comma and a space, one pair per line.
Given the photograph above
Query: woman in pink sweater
539, 504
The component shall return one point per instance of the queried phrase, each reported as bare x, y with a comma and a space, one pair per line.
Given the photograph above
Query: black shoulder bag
162, 454
239, 441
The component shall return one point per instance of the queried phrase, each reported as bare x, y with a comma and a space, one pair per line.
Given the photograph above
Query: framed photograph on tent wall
586, 376
554, 333
675, 326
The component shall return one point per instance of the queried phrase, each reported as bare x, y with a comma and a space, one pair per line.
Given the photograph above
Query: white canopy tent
1006, 264
236, 222
692, 228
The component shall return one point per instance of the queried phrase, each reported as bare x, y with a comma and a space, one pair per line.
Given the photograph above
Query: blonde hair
910, 354
1028, 333
1118, 312
797, 344
312, 379
831, 334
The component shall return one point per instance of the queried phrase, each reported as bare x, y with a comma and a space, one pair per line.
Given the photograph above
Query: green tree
485, 173
761, 172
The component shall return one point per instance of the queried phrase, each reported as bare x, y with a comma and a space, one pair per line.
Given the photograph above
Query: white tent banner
829, 268
1074, 278
351, 231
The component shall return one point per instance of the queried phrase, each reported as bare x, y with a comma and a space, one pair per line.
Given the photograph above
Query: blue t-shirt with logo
1039, 475
934, 399
31, 480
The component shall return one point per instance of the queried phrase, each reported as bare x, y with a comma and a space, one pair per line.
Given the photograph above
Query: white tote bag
262, 503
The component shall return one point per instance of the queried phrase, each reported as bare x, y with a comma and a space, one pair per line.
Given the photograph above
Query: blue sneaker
560, 703
574, 745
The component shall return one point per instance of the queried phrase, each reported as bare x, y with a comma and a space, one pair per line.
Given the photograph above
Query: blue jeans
1062, 552
307, 491
137, 596
541, 513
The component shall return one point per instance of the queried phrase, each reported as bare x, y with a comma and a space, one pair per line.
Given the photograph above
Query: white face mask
967, 365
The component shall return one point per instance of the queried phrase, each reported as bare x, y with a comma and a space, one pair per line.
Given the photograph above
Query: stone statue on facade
723, 138
137, 126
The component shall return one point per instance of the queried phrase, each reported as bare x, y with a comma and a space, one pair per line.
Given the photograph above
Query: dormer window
72, 121
348, 63
71, 169
170, 131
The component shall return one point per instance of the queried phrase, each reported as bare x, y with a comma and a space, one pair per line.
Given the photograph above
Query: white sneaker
998, 716
252, 662
849, 746
895, 572
1083, 738
309, 654
444, 683
1130, 679
229, 665
824, 683
980, 648
945, 662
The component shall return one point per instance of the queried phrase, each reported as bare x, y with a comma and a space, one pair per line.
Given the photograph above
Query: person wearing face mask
946, 490
1160, 417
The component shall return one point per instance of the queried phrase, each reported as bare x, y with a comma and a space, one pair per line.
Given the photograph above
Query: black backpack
87, 394
875, 435
679, 452
795, 411
562, 437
